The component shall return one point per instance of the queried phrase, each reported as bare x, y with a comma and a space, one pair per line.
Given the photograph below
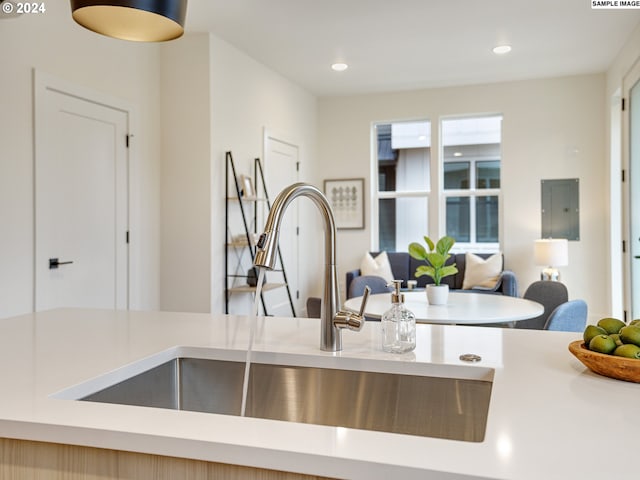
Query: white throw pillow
482, 273
378, 266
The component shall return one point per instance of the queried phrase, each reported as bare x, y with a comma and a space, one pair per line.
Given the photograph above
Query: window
467, 204
471, 169
403, 156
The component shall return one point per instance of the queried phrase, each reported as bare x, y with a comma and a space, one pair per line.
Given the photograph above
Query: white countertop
538, 424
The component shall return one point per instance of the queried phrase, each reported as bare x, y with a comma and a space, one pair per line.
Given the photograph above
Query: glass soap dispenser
398, 324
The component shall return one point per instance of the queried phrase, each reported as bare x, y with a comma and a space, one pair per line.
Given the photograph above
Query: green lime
617, 339
628, 350
591, 331
611, 325
630, 334
602, 344
635, 322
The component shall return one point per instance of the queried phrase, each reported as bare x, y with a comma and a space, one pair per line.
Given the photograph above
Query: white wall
628, 55
215, 99
545, 123
54, 44
247, 98
186, 198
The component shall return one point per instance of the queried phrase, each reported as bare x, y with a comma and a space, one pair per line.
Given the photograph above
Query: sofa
403, 267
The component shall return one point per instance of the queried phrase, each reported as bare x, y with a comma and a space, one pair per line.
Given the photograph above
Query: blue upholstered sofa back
404, 267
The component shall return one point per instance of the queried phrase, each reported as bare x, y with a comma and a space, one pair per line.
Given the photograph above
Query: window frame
435, 194
377, 195
473, 244
472, 192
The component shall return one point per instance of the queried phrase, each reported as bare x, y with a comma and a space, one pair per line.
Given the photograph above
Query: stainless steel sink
432, 406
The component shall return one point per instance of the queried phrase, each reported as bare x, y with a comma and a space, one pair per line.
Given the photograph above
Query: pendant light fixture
137, 20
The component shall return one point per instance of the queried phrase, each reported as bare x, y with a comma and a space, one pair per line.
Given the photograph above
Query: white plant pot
437, 294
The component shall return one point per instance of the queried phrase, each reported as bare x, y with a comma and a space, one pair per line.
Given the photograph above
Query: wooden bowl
621, 368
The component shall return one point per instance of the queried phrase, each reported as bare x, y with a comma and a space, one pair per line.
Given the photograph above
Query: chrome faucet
333, 320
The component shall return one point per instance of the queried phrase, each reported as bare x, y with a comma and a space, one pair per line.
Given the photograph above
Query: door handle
55, 263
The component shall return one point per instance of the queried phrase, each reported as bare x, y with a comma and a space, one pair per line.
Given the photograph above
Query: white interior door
632, 145
281, 170
81, 202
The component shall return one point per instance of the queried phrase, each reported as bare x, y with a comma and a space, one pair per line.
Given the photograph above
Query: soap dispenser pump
398, 324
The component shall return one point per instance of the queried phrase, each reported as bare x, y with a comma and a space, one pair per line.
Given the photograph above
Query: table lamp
552, 253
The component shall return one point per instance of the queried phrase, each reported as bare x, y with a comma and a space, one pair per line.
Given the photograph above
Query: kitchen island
542, 402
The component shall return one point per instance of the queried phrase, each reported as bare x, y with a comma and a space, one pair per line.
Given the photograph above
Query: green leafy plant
436, 257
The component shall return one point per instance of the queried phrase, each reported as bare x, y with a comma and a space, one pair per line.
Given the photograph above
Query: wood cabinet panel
27, 460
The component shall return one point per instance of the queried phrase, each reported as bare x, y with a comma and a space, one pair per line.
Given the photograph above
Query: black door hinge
128, 139
297, 230
623, 175
297, 294
127, 236
624, 246
623, 104
297, 166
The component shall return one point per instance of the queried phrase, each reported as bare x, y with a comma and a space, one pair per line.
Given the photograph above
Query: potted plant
435, 257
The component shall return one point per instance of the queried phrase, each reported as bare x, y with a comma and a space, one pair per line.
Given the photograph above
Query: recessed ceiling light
457, 154
501, 49
339, 67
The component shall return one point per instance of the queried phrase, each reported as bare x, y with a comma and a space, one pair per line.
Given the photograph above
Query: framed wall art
346, 197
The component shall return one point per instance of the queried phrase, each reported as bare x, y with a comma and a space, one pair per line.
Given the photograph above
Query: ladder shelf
244, 241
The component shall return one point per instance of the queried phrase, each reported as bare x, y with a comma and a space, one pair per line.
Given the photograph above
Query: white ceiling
408, 44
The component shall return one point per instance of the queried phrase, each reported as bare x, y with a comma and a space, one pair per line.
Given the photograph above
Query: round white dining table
462, 308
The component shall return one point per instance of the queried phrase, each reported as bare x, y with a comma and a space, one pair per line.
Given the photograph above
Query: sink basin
413, 404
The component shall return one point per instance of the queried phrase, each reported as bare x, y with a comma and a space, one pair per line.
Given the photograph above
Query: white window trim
435, 194
376, 195
404, 194
472, 191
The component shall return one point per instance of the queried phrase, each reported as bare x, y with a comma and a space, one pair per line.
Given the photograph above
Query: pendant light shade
137, 20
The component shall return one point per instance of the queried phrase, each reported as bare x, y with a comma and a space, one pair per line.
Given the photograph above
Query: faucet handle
351, 320
365, 299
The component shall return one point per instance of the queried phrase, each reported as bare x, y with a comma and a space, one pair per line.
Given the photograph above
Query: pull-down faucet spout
332, 320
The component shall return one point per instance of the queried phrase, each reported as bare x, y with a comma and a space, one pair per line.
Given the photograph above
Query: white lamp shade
553, 252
